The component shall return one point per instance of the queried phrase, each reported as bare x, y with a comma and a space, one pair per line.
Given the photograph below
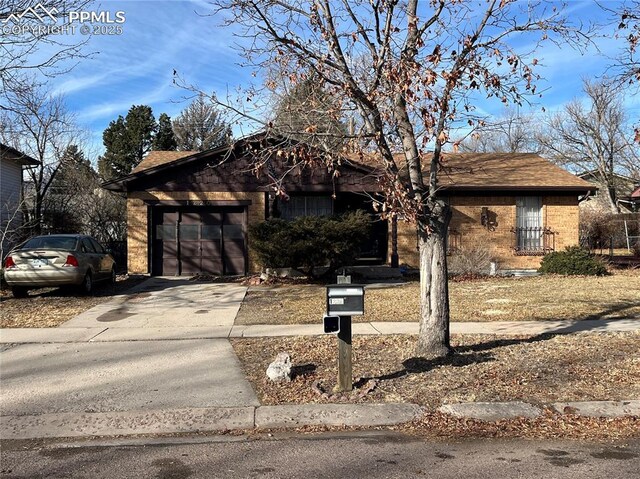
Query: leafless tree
40, 126
512, 133
409, 71
33, 39
594, 135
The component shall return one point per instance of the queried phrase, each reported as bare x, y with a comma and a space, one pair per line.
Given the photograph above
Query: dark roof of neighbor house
459, 171
15, 155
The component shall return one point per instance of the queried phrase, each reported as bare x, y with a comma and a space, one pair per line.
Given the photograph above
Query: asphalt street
352, 455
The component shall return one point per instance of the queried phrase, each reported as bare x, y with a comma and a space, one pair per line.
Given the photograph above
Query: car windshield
50, 242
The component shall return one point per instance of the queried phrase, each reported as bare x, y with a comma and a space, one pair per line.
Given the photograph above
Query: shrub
470, 260
309, 242
574, 260
596, 229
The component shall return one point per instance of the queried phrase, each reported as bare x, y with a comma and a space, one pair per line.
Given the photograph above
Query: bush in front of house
574, 260
309, 242
470, 261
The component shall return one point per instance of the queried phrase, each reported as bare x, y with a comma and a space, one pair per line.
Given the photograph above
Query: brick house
188, 212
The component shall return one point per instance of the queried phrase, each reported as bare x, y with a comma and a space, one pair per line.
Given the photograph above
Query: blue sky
136, 67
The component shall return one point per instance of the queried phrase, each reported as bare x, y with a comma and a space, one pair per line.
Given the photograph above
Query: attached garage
189, 212
199, 240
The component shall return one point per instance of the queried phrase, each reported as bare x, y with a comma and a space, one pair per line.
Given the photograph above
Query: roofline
596, 172
577, 189
19, 157
118, 183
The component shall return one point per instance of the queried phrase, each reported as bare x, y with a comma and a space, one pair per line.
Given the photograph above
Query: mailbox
331, 324
345, 299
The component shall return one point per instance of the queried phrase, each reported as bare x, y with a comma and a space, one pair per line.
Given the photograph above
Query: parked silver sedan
58, 260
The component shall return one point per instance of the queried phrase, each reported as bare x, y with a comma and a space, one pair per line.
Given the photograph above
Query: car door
105, 260
91, 257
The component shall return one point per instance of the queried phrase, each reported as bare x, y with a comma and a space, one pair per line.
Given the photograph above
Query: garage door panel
234, 217
211, 248
234, 247
212, 265
189, 249
211, 218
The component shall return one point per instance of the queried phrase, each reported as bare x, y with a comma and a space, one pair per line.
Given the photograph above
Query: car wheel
112, 279
87, 284
19, 292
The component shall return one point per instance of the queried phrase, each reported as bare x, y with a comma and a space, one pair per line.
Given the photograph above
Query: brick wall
560, 213
137, 218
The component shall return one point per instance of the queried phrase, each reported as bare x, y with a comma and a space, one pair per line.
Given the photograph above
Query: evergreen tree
308, 113
201, 126
126, 141
71, 193
164, 139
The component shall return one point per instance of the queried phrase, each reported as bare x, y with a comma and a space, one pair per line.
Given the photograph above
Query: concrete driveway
140, 353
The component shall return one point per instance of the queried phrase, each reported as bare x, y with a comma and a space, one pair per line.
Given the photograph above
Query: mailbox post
343, 301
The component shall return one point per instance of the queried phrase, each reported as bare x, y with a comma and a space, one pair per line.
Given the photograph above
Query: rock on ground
280, 369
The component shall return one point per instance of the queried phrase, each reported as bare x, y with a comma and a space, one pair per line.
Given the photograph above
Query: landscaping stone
280, 369
491, 411
599, 408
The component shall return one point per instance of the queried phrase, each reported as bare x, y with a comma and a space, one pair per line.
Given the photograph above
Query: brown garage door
189, 241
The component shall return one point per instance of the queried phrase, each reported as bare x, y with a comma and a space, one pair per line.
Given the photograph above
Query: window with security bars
530, 235
298, 206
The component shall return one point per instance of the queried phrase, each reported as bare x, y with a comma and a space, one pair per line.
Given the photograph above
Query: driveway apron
162, 346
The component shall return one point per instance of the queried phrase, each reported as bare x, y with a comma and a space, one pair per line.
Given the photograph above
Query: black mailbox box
345, 299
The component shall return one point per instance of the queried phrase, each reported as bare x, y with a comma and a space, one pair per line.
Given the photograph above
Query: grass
493, 299
540, 369
50, 307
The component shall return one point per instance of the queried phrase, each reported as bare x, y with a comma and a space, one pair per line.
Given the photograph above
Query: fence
615, 234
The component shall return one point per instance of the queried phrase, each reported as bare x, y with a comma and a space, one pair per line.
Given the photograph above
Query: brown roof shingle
158, 158
500, 171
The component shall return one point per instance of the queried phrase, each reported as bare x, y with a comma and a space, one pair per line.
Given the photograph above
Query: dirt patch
539, 369
519, 299
50, 307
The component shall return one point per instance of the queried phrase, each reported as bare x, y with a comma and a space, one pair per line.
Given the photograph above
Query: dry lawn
540, 369
50, 307
494, 299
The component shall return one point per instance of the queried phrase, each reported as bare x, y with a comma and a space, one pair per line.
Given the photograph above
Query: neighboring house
188, 212
623, 187
635, 199
11, 164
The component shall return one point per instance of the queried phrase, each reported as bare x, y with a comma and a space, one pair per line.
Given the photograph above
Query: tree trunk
433, 339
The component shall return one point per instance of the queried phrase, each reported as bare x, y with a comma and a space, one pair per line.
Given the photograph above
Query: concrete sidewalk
108, 332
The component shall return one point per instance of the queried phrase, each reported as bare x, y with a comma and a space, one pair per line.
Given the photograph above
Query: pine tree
126, 141
164, 140
308, 113
200, 127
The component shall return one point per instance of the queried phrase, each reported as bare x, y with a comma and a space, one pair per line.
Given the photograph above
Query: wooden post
345, 373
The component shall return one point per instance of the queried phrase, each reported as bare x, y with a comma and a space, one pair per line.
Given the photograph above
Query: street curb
496, 411
170, 421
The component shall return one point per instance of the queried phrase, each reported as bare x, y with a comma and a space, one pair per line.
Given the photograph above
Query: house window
306, 206
531, 238
454, 240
